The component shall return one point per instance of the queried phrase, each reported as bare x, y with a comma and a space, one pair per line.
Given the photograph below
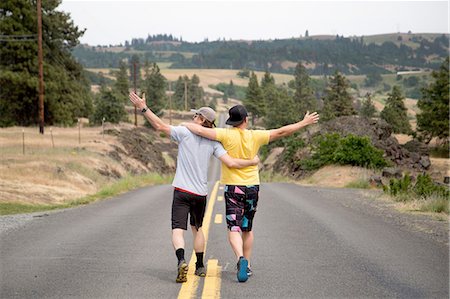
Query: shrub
403, 189
349, 150
358, 151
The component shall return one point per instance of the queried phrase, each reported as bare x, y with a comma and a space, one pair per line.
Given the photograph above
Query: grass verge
123, 185
358, 184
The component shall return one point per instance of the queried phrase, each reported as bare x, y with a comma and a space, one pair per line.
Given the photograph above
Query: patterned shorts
241, 202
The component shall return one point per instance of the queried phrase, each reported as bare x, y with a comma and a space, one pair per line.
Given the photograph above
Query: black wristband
144, 109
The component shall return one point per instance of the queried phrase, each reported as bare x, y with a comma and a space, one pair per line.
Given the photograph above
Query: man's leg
236, 243
178, 238
198, 206
234, 203
180, 211
248, 238
199, 247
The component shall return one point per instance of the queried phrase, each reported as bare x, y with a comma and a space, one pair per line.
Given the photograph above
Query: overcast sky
113, 22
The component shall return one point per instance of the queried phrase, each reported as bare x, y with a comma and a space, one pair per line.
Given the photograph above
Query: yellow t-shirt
242, 144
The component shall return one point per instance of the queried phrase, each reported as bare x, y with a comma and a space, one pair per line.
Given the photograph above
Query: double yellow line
211, 287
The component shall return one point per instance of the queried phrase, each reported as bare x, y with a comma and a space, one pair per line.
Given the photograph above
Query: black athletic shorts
185, 203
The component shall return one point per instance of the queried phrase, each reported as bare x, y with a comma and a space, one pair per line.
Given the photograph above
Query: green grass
435, 205
358, 184
123, 185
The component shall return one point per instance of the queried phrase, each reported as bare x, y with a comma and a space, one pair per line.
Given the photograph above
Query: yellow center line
212, 280
219, 198
189, 288
218, 219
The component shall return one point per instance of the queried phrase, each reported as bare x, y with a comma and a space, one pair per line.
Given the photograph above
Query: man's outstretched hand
140, 103
310, 119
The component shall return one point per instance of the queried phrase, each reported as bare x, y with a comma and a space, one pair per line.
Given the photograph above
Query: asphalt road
308, 245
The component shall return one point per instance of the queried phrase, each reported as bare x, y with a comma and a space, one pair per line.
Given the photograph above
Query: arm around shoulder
209, 133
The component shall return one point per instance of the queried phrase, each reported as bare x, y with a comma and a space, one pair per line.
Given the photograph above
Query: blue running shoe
242, 265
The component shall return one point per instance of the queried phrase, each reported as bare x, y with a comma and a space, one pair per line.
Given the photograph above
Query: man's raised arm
201, 131
309, 119
154, 120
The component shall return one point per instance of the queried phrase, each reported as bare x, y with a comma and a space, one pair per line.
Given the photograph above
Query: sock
199, 262
180, 254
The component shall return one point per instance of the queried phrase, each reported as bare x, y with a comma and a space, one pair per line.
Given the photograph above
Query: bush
424, 188
349, 150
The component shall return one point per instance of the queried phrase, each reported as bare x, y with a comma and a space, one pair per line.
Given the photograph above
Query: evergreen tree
231, 89
109, 105
253, 98
67, 92
121, 85
304, 94
267, 80
267, 84
225, 97
178, 96
338, 101
368, 108
155, 89
432, 121
196, 93
281, 110
394, 112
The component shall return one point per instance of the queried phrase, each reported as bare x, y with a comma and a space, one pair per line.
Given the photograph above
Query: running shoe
242, 265
249, 271
200, 271
182, 271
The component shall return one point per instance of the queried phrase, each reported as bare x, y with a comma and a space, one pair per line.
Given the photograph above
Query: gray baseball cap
207, 112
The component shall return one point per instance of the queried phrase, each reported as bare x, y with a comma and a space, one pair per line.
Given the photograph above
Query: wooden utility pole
170, 103
41, 69
185, 95
134, 86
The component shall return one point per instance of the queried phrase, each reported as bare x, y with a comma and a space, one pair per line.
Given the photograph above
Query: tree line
348, 55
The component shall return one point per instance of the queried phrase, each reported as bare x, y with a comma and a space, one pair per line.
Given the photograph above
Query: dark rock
375, 180
446, 180
425, 162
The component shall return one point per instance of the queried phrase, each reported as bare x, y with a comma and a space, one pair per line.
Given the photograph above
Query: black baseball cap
237, 114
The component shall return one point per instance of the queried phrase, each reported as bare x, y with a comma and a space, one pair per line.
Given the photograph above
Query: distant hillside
383, 54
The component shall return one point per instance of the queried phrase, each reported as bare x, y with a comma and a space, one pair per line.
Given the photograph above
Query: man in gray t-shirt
190, 182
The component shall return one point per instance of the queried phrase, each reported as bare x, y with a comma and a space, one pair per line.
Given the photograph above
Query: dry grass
337, 176
47, 174
207, 76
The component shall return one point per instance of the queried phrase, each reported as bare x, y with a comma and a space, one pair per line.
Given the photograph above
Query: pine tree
304, 94
155, 89
267, 80
394, 112
196, 93
432, 121
253, 98
121, 85
108, 105
67, 91
178, 96
368, 108
281, 110
338, 101
231, 89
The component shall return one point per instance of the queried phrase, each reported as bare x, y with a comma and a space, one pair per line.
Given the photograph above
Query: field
77, 163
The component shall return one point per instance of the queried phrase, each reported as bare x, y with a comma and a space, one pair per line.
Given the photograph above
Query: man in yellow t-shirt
242, 185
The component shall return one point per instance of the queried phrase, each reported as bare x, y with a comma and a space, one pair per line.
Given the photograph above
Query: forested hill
320, 54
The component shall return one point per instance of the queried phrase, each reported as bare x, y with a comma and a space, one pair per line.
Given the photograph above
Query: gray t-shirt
194, 153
